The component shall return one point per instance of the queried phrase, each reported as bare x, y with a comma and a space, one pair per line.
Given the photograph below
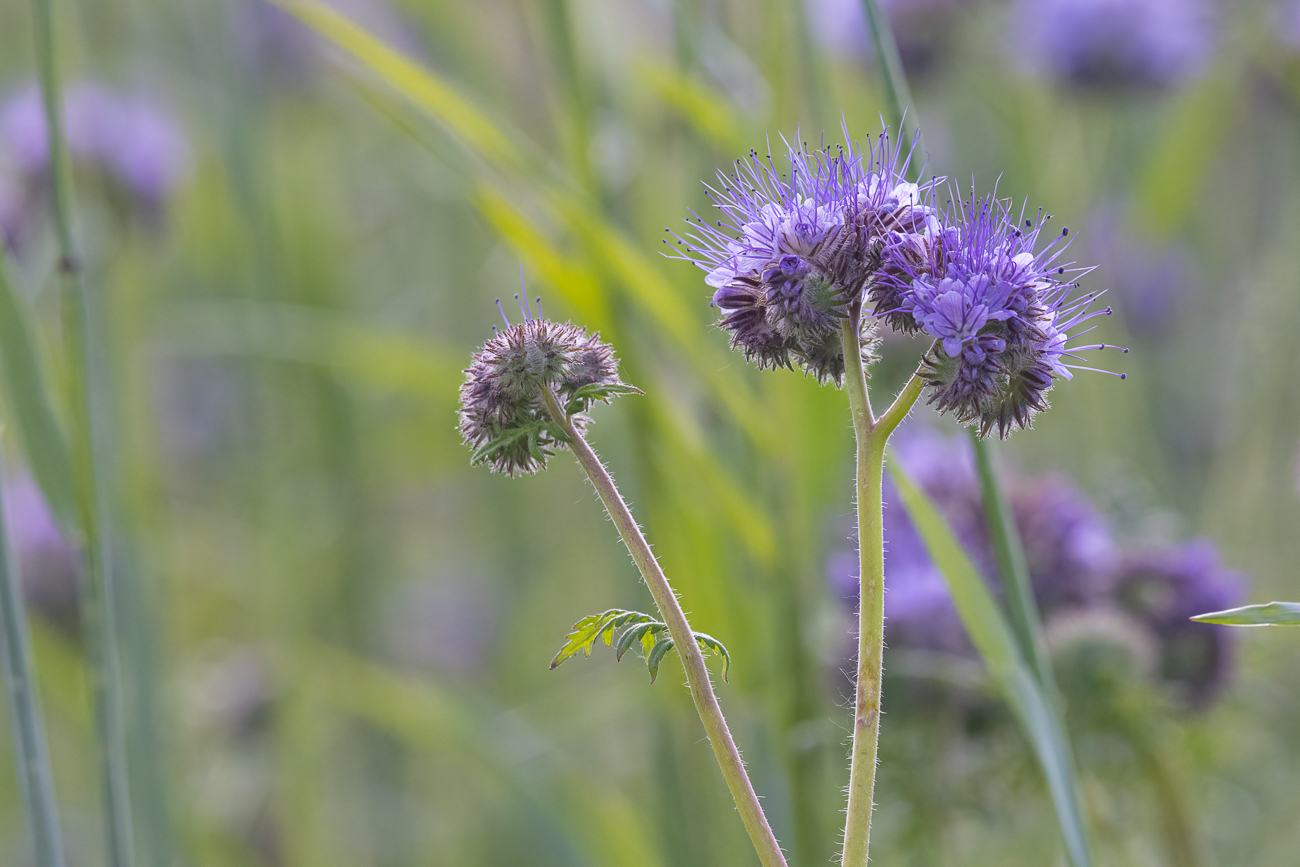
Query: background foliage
336, 633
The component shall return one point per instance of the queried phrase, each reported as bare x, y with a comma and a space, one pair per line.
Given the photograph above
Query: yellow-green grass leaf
28, 396
427, 90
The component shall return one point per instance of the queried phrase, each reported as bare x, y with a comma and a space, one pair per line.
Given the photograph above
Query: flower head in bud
503, 411
791, 259
997, 309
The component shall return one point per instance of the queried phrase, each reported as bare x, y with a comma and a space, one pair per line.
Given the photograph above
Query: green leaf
998, 648
709, 643
653, 635
486, 450
1265, 614
28, 392
631, 636
583, 635
656, 656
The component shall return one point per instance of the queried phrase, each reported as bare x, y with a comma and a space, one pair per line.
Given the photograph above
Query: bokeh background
335, 632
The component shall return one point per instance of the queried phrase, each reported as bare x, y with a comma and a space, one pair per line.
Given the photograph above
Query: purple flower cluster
997, 309
800, 252
791, 259
1095, 43
136, 143
1076, 568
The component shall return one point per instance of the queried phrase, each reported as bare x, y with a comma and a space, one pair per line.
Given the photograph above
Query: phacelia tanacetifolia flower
999, 312
791, 258
503, 413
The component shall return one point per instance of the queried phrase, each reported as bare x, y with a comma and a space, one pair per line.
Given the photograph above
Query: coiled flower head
504, 416
791, 258
999, 312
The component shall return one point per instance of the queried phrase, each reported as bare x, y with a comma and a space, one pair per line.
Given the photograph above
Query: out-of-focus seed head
792, 258
503, 413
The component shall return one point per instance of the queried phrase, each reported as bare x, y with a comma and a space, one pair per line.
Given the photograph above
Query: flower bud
503, 413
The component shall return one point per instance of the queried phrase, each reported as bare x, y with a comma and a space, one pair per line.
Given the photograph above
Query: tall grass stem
697, 673
1017, 589
31, 751
98, 596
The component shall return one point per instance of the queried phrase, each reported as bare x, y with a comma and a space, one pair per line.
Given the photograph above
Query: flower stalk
697, 673
872, 435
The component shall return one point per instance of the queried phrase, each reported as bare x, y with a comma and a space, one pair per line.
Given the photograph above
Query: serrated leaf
709, 643
656, 656
583, 635
630, 637
1264, 614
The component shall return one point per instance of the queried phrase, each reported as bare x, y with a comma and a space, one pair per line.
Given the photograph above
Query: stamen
522, 309
503, 313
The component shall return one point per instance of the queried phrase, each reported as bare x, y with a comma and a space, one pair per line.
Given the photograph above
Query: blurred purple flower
1115, 42
1068, 544
920, 28
1074, 566
1163, 589
135, 141
50, 565
1288, 24
1149, 282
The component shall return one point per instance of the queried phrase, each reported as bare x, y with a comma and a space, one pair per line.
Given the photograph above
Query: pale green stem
872, 434
98, 600
31, 751
697, 673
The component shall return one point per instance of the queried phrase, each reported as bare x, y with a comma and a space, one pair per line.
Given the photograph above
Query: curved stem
872, 435
697, 674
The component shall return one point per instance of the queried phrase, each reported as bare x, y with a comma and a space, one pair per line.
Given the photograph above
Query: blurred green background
336, 632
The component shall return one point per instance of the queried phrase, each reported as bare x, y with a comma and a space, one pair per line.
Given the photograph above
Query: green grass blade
1264, 614
31, 751
43, 439
997, 646
1022, 610
431, 93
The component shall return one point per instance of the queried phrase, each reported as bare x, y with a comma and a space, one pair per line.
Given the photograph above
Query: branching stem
697, 674
872, 434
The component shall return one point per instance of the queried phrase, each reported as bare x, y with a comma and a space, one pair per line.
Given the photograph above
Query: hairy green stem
1017, 590
31, 751
98, 598
871, 434
697, 673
